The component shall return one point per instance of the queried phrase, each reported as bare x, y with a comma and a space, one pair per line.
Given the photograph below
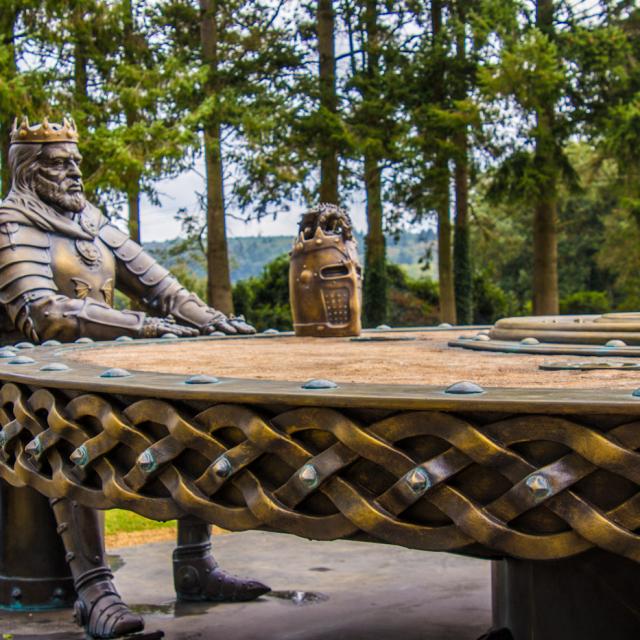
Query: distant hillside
248, 255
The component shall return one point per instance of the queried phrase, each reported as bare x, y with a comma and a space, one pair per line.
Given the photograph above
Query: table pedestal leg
33, 571
590, 597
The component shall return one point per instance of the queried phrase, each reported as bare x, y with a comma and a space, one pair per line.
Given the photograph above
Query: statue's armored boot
98, 608
196, 574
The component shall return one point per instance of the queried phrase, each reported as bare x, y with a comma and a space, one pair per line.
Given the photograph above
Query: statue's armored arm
141, 277
38, 310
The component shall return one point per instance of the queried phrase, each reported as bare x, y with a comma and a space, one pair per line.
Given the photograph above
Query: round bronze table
392, 437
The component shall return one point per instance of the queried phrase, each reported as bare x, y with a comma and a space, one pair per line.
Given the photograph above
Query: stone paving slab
328, 591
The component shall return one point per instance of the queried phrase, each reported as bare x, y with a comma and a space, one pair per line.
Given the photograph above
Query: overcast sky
158, 223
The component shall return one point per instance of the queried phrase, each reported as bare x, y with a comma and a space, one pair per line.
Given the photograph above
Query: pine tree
232, 57
329, 168
22, 82
533, 74
372, 94
462, 269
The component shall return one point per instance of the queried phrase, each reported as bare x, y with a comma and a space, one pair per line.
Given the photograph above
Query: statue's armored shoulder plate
14, 235
112, 236
25, 271
142, 273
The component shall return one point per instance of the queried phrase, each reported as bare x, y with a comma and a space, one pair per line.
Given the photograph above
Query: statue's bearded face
58, 179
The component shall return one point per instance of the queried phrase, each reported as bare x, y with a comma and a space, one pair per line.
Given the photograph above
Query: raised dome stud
464, 387
84, 340
319, 384
54, 366
308, 475
445, 325
7, 353
51, 343
124, 339
24, 345
383, 327
201, 379
115, 373
539, 486
21, 360
222, 467
270, 332
34, 448
530, 341
616, 343
418, 480
481, 337
147, 461
80, 456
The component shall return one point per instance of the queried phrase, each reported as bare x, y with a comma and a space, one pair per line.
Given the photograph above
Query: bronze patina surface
493, 471
522, 474
325, 276
590, 335
535, 475
61, 260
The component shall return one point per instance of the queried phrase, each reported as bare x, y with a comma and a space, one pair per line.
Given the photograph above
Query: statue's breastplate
83, 268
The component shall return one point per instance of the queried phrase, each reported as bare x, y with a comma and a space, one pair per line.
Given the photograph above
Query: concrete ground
322, 591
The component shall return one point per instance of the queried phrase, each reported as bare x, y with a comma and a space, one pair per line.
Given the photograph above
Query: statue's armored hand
228, 325
187, 308
157, 327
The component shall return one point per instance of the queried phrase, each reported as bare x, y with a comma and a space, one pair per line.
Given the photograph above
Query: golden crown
44, 132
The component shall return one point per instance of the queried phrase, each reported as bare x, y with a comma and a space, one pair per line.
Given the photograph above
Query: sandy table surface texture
419, 358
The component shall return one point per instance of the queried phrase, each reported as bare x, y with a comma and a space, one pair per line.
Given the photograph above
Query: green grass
119, 520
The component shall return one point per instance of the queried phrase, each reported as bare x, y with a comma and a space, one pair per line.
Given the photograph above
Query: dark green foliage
412, 302
264, 300
490, 302
540, 109
586, 302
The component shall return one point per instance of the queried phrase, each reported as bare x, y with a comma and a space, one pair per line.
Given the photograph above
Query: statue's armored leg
196, 574
99, 608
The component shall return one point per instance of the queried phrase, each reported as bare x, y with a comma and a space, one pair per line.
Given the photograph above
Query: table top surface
391, 358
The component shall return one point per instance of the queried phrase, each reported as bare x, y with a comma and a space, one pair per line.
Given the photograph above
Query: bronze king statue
325, 276
60, 261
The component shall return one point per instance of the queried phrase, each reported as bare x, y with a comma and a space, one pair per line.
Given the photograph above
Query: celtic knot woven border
536, 487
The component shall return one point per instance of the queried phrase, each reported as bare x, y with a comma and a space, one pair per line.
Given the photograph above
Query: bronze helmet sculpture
325, 276
60, 261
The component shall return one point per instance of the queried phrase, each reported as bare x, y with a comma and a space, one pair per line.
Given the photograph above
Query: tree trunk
463, 280
328, 101
461, 250
8, 20
545, 236
218, 273
133, 200
375, 272
133, 180
545, 258
445, 258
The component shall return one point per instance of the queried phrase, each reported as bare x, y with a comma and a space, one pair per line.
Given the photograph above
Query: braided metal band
532, 486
